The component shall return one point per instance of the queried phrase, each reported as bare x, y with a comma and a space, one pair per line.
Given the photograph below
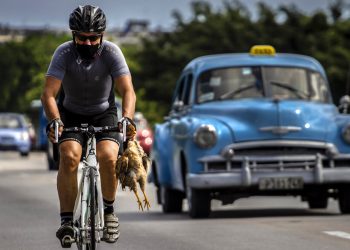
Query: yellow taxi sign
262, 50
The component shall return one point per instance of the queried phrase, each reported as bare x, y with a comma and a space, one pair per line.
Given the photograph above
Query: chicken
131, 168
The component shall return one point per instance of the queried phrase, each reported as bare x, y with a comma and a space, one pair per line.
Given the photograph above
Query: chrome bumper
249, 175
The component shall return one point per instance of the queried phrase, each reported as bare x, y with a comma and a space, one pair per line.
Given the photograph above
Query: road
29, 219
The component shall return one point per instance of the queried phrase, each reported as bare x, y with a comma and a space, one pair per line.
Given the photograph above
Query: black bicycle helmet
87, 18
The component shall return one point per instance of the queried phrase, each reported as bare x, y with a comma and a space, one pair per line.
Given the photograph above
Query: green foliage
323, 35
22, 69
157, 63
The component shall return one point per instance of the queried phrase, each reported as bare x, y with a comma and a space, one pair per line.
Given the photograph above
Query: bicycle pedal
66, 237
67, 241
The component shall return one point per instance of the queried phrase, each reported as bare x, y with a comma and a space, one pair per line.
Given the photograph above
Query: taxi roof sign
262, 50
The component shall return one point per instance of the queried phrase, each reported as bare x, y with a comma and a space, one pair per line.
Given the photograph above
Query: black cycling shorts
107, 118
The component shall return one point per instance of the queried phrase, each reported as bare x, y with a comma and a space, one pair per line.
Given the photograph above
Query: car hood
14, 133
265, 119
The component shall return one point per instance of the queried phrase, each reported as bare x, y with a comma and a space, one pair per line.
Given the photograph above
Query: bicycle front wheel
92, 212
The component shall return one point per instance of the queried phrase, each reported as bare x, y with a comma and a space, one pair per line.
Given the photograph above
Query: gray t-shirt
87, 86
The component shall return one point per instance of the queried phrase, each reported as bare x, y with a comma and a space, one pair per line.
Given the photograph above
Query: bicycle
88, 214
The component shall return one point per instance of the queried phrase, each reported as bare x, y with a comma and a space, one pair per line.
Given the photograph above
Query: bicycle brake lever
124, 131
56, 131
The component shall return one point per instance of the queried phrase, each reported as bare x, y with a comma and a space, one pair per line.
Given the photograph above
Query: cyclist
84, 72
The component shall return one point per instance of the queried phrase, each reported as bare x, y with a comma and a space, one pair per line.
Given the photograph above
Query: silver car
14, 133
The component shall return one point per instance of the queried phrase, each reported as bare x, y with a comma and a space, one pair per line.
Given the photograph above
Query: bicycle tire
92, 206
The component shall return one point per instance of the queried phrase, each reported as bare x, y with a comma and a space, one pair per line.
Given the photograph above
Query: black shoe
66, 234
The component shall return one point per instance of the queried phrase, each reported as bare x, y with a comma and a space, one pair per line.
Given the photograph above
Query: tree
22, 67
232, 29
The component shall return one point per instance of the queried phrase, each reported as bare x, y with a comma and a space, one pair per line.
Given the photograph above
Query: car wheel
171, 200
24, 154
198, 203
318, 202
344, 199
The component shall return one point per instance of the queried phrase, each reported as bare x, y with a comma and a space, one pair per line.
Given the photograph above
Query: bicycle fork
82, 201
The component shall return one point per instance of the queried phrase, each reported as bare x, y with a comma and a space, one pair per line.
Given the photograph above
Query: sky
54, 14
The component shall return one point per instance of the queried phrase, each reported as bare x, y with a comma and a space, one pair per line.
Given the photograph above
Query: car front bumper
22, 147
250, 174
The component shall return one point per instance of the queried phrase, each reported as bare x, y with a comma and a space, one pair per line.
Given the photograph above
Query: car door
179, 126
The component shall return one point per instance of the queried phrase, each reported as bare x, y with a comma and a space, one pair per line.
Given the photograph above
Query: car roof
204, 63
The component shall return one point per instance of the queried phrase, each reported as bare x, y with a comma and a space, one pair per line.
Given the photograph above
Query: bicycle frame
89, 225
81, 209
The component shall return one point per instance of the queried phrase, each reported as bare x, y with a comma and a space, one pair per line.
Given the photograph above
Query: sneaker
66, 234
111, 232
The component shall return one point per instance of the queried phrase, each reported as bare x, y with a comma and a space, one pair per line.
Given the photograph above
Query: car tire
24, 154
171, 200
344, 199
198, 203
318, 202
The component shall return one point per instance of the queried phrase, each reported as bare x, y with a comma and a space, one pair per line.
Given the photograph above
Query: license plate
281, 183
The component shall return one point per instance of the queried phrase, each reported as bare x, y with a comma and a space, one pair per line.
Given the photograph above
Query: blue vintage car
258, 123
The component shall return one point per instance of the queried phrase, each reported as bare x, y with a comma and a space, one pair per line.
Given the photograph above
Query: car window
9, 121
141, 124
186, 95
180, 89
229, 83
254, 82
319, 89
287, 83
296, 83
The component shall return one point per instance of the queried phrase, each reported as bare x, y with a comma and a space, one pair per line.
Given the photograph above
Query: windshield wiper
297, 92
235, 92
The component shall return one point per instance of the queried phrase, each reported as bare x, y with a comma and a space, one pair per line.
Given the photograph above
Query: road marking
338, 234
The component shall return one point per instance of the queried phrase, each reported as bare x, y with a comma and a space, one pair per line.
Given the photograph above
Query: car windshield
9, 121
141, 124
255, 82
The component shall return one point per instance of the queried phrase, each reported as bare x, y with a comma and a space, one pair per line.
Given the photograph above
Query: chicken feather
131, 168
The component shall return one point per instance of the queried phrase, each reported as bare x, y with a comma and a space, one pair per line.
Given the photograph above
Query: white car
14, 133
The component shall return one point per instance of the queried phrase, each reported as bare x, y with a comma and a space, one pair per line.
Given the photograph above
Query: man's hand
51, 127
128, 127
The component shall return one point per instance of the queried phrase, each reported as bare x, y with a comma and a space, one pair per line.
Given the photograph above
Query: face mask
87, 52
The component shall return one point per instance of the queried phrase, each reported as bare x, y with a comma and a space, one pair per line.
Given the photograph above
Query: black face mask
87, 52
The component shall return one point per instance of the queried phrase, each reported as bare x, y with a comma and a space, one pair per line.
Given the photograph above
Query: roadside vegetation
157, 62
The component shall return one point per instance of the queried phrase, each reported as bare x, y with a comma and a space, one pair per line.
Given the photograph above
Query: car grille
275, 156
273, 151
6, 140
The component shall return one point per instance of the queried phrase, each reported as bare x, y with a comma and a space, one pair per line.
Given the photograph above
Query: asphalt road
29, 219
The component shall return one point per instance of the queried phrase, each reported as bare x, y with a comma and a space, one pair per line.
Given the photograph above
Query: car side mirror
344, 104
178, 105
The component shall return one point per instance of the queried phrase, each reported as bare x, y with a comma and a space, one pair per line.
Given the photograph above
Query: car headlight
346, 133
24, 136
205, 136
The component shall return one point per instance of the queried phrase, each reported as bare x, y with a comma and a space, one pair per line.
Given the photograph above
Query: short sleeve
57, 67
118, 63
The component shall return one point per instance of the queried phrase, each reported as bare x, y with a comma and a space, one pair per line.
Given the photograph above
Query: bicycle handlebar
87, 129
93, 130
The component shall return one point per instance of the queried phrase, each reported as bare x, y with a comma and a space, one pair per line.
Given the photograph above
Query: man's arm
48, 97
123, 85
48, 100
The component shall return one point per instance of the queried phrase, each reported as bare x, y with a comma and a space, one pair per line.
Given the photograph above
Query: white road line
338, 234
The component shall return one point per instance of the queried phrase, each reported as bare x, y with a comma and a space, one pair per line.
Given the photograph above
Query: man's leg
67, 186
107, 154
